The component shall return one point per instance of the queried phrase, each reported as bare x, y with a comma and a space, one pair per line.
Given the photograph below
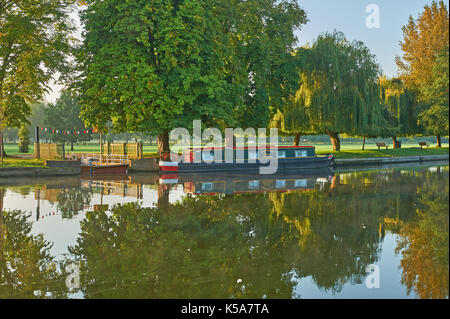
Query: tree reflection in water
27, 270
71, 201
424, 242
247, 245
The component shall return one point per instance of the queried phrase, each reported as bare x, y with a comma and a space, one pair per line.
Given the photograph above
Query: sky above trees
349, 16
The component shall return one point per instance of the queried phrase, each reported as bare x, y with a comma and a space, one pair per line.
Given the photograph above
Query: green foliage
423, 39
435, 117
37, 118
338, 91
263, 40
24, 139
34, 43
424, 66
10, 134
400, 110
64, 115
151, 67
19, 162
156, 69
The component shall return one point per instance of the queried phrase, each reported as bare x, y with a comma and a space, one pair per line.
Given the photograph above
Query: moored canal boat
288, 157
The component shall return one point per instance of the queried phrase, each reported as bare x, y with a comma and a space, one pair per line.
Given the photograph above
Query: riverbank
10, 172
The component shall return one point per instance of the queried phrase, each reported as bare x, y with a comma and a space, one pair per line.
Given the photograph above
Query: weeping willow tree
400, 109
292, 120
338, 91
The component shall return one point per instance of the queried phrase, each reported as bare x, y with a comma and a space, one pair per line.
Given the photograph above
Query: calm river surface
228, 236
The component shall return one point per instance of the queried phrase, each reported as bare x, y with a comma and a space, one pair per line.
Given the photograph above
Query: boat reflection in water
238, 183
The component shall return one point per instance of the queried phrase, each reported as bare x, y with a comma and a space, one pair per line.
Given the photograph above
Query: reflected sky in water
229, 236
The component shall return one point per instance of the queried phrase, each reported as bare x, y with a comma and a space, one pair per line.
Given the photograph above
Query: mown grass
410, 151
21, 162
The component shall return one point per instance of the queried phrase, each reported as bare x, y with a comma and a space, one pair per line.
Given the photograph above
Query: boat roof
254, 147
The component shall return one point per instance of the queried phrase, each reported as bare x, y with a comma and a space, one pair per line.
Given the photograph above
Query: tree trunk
297, 139
2, 194
394, 142
71, 146
2, 149
364, 143
438, 141
163, 143
335, 141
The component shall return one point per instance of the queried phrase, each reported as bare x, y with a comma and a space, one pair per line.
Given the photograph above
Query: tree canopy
35, 39
153, 67
64, 115
400, 108
338, 90
435, 118
424, 65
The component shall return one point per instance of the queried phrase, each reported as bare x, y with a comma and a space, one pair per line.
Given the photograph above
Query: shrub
24, 139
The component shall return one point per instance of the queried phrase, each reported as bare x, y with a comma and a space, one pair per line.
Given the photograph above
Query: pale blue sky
349, 16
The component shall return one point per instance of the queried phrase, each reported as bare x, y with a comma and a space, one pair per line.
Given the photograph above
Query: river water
370, 233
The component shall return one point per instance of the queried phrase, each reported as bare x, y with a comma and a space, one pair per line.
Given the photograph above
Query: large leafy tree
34, 43
338, 90
435, 117
263, 41
151, 67
424, 39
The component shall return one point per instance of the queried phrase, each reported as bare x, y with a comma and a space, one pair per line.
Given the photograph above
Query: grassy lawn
19, 162
411, 151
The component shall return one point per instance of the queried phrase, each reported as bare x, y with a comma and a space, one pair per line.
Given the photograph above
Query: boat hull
284, 164
105, 170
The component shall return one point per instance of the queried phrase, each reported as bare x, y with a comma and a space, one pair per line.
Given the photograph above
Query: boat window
208, 155
253, 184
207, 186
281, 154
281, 183
301, 153
301, 183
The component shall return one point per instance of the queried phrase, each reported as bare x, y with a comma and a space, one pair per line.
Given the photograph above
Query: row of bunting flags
68, 132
